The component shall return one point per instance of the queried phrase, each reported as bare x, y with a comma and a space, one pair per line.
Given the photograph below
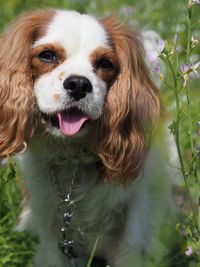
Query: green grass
16, 249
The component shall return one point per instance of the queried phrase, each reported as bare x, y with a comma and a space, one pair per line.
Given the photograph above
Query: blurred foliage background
164, 17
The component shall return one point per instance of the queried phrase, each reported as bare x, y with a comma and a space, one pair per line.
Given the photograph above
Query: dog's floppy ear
16, 94
131, 109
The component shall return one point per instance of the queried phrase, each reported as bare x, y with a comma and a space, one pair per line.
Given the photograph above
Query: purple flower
188, 251
185, 68
176, 47
156, 69
161, 45
194, 70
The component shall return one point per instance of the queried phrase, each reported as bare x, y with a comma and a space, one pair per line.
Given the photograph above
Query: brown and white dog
78, 91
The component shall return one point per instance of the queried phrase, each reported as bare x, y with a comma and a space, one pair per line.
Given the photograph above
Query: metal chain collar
66, 208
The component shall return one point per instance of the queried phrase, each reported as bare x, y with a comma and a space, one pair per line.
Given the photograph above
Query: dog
78, 92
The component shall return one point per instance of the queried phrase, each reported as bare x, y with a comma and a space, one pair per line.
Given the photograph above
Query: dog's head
75, 74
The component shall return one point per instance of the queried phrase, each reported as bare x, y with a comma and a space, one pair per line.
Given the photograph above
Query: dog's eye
104, 63
48, 56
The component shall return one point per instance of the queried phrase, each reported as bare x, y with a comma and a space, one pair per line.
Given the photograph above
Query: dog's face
72, 71
73, 67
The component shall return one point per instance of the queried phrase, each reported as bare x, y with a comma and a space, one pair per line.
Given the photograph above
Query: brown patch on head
39, 66
17, 116
60, 76
56, 97
105, 64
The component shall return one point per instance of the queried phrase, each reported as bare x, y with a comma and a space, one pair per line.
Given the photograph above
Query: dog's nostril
77, 86
72, 85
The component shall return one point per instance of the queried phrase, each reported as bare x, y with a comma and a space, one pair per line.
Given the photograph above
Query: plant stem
177, 136
189, 35
189, 23
177, 128
93, 252
190, 121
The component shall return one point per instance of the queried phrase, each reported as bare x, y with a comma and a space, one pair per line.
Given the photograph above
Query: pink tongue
70, 124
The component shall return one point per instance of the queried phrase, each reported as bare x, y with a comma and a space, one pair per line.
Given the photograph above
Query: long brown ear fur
131, 110
16, 97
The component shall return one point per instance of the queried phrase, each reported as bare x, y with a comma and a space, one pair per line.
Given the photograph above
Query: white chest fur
119, 217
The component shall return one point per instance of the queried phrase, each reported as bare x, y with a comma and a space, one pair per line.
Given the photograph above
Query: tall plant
179, 80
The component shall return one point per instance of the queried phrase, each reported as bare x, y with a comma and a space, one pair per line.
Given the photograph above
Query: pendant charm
66, 247
66, 244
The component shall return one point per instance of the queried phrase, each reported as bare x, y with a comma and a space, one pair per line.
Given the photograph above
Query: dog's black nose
77, 86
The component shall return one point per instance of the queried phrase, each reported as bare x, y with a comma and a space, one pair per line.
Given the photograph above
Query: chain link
66, 208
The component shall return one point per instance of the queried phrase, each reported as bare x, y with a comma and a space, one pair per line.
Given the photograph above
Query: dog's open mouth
70, 121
